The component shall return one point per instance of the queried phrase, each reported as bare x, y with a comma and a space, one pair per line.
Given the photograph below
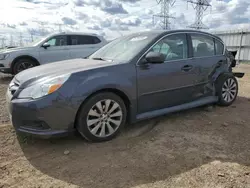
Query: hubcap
23, 66
229, 90
104, 118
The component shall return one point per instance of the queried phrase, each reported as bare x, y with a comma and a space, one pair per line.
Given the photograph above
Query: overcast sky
112, 18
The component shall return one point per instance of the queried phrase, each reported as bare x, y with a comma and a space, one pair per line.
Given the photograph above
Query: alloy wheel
104, 118
24, 65
229, 90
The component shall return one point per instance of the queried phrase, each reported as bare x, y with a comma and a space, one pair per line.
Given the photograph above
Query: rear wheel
23, 64
227, 89
101, 117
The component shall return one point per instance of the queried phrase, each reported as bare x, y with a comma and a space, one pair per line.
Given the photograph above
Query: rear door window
83, 40
203, 45
219, 47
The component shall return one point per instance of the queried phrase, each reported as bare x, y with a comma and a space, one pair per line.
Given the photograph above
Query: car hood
9, 50
32, 75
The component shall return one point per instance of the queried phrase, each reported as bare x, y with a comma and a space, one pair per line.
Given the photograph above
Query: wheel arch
116, 91
23, 57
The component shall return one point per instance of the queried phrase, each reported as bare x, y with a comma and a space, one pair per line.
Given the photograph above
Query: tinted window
219, 48
60, 40
83, 39
203, 45
174, 47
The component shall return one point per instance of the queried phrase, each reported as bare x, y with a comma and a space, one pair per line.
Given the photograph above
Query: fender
108, 80
220, 70
24, 57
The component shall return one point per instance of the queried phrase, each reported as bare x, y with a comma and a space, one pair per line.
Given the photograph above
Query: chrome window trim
183, 32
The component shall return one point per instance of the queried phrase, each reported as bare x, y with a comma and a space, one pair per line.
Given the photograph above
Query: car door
208, 56
57, 51
170, 83
83, 45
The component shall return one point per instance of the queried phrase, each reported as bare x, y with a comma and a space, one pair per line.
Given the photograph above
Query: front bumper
47, 117
4, 69
5, 66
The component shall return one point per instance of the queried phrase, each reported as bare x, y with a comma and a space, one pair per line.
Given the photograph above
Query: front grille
13, 87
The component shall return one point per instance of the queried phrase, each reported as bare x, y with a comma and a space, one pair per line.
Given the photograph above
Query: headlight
43, 88
4, 56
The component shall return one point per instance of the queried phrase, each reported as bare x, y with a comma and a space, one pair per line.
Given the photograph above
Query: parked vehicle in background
52, 48
132, 78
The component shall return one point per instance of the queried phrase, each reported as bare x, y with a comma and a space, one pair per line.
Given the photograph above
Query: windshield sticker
138, 38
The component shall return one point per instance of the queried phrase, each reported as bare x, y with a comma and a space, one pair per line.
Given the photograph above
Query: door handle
187, 68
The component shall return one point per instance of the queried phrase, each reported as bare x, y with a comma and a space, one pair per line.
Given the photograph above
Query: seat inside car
202, 50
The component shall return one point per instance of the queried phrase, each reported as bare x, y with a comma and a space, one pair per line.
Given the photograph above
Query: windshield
124, 48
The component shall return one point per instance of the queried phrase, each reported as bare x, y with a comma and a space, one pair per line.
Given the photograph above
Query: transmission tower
164, 14
42, 27
59, 26
200, 6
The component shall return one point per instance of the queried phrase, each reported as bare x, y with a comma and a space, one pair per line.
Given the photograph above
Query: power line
200, 6
164, 14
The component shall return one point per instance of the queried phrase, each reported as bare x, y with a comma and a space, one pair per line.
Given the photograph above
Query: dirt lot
203, 147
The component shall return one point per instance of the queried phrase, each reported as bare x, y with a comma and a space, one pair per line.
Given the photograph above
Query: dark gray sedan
132, 78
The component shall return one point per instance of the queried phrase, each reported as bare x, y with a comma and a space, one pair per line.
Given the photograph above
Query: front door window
174, 47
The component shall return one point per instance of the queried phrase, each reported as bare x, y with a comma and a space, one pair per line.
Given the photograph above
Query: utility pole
31, 32
164, 14
3, 42
42, 24
31, 37
11, 40
200, 6
21, 39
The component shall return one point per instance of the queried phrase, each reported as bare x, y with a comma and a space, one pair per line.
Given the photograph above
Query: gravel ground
203, 147
4, 81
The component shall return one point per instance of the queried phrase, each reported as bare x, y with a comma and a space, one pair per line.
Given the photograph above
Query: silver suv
52, 48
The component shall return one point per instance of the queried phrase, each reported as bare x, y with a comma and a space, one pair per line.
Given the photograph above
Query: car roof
165, 32
75, 33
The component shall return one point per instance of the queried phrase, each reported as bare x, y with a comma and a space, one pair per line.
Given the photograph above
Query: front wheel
227, 89
22, 65
101, 117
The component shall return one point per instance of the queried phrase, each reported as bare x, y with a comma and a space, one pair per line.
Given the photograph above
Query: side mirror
46, 45
155, 57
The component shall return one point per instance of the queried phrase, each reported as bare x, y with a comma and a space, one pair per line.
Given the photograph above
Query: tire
227, 89
90, 118
22, 64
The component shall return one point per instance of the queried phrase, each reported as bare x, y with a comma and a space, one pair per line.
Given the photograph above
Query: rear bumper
239, 74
